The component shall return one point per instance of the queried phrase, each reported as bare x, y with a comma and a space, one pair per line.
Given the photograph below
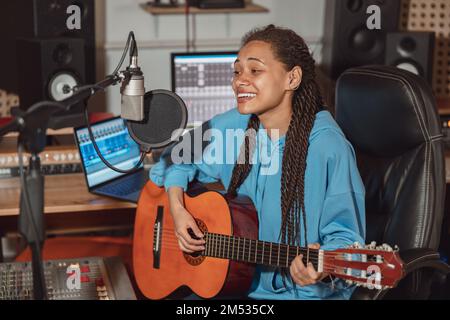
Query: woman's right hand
184, 222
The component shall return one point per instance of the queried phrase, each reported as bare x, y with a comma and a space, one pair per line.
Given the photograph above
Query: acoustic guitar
232, 249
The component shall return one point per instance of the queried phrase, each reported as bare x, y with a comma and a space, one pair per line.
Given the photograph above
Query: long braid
294, 162
291, 50
243, 166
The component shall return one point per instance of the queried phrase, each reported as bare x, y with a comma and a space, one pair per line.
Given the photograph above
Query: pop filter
165, 117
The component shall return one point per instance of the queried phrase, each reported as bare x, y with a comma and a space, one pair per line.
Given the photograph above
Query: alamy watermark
73, 281
227, 147
374, 20
374, 279
73, 21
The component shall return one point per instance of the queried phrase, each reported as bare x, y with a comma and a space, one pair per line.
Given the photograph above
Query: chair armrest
418, 258
413, 260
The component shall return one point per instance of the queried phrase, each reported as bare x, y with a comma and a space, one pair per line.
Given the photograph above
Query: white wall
157, 36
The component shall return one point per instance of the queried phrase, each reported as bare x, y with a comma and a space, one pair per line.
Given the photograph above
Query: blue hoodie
334, 194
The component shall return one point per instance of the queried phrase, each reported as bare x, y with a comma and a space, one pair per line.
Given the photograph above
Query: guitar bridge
157, 235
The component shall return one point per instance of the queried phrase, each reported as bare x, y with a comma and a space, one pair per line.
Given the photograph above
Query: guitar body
159, 273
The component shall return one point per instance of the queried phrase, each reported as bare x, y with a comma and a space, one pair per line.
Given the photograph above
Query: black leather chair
390, 117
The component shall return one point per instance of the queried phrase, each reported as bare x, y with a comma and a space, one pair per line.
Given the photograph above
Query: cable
127, 46
86, 115
109, 165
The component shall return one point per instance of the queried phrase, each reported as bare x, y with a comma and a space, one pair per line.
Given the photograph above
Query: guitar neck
259, 252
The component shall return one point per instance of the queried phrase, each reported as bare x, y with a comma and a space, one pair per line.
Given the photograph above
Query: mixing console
74, 279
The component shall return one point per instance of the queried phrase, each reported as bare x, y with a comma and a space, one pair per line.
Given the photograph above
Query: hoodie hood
324, 121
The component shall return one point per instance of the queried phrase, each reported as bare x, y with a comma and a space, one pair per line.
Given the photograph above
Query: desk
68, 205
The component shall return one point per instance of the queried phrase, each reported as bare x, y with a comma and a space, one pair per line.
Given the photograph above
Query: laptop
116, 146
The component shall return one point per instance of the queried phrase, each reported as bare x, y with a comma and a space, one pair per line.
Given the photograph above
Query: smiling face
261, 83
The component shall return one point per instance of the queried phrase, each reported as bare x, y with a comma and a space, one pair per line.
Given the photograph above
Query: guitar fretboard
256, 251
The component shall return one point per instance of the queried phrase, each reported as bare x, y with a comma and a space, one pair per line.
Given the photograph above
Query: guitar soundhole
196, 258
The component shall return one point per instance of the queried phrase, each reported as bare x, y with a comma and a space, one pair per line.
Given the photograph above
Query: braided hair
290, 49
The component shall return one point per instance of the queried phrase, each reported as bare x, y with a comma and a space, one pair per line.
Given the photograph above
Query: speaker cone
60, 86
410, 66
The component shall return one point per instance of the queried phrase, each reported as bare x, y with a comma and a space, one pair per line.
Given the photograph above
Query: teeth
245, 95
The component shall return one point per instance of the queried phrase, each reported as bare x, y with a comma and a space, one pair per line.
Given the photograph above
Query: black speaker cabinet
48, 69
43, 19
348, 42
412, 51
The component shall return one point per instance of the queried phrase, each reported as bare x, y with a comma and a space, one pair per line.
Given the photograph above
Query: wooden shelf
249, 8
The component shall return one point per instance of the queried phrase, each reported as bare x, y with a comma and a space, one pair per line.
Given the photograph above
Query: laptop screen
116, 146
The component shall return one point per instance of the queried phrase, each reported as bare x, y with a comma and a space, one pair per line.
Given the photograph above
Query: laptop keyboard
123, 187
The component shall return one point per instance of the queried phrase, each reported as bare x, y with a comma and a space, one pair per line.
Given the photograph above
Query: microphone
154, 119
132, 90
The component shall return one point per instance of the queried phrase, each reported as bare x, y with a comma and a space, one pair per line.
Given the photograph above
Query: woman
315, 197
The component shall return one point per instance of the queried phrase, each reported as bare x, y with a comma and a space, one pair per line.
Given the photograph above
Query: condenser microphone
133, 90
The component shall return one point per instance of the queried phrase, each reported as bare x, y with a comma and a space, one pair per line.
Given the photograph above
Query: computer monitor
203, 81
116, 146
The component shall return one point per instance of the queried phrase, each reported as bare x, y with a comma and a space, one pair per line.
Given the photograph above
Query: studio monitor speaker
348, 42
43, 19
412, 51
49, 68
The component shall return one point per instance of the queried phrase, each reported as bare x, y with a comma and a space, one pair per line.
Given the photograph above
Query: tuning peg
396, 248
378, 286
357, 245
349, 282
387, 247
370, 286
372, 245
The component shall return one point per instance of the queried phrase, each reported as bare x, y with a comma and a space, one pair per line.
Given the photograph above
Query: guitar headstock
370, 266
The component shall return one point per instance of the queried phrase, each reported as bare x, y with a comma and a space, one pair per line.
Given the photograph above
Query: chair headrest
385, 111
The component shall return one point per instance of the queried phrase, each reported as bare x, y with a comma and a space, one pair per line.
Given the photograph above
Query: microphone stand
32, 126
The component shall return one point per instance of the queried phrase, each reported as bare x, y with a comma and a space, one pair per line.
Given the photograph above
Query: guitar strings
219, 245
327, 267
220, 248
219, 237
259, 257
220, 251
222, 239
